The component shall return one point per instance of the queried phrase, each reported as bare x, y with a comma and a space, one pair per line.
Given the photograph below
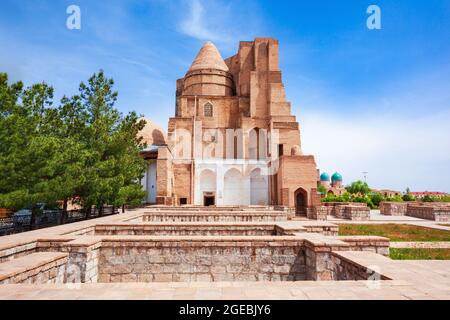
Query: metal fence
49, 218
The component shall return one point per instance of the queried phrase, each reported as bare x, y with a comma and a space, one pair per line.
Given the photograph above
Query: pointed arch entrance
301, 202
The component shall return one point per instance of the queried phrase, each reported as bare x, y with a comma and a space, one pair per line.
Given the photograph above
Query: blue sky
366, 100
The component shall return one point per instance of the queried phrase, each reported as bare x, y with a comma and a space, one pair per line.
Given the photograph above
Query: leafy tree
396, 198
428, 198
25, 148
321, 188
408, 197
376, 199
113, 165
84, 149
358, 187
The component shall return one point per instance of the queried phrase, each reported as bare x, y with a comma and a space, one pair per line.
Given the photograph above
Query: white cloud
194, 24
221, 22
397, 152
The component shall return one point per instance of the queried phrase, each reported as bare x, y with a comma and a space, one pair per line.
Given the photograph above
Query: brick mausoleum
233, 140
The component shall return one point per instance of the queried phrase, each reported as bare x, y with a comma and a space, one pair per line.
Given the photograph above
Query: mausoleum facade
233, 139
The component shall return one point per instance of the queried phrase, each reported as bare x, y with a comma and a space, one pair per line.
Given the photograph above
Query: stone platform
235, 255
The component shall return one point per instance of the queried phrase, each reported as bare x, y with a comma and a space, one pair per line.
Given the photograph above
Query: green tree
113, 165
321, 188
25, 148
358, 187
84, 149
428, 198
408, 197
376, 198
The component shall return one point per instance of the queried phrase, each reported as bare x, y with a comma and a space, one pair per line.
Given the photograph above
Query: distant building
335, 187
421, 194
387, 193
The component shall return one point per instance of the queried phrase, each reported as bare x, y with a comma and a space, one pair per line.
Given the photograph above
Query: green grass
419, 254
395, 232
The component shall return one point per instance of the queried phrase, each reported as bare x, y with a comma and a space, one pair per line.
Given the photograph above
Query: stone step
39, 267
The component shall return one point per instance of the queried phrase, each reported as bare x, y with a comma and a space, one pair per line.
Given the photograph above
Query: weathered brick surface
206, 261
237, 216
37, 268
317, 213
430, 212
393, 208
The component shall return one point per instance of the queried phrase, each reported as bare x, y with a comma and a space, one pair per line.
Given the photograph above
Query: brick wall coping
215, 213
158, 224
366, 260
363, 238
31, 262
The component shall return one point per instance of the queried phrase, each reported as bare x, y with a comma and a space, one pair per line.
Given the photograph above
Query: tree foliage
83, 150
358, 187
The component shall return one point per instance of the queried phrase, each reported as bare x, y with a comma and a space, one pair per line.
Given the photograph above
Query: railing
18, 224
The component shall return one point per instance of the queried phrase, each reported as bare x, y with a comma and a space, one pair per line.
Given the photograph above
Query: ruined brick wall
201, 261
214, 217
393, 208
346, 270
317, 213
429, 212
357, 213
51, 271
186, 230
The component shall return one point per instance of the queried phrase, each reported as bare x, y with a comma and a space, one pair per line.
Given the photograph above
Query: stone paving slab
307, 290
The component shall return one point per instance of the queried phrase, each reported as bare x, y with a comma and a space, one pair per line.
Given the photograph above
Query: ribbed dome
336, 177
208, 58
324, 177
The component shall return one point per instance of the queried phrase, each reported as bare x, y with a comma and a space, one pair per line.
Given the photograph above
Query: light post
365, 176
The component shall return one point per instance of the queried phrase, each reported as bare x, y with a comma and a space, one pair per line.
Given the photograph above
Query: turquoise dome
336, 177
324, 177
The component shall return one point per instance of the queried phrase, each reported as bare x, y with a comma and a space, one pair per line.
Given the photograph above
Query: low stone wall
238, 216
187, 230
180, 260
356, 213
336, 208
345, 269
37, 268
325, 230
430, 212
83, 257
352, 212
317, 213
374, 244
393, 208
18, 251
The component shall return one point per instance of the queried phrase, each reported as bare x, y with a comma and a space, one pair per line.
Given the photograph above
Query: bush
395, 199
376, 198
428, 198
408, 197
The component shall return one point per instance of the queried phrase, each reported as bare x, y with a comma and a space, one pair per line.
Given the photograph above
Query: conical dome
208, 58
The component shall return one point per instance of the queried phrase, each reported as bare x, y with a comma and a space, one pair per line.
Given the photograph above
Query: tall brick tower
233, 140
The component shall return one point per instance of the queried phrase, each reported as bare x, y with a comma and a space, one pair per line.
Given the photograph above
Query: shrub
408, 197
376, 198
